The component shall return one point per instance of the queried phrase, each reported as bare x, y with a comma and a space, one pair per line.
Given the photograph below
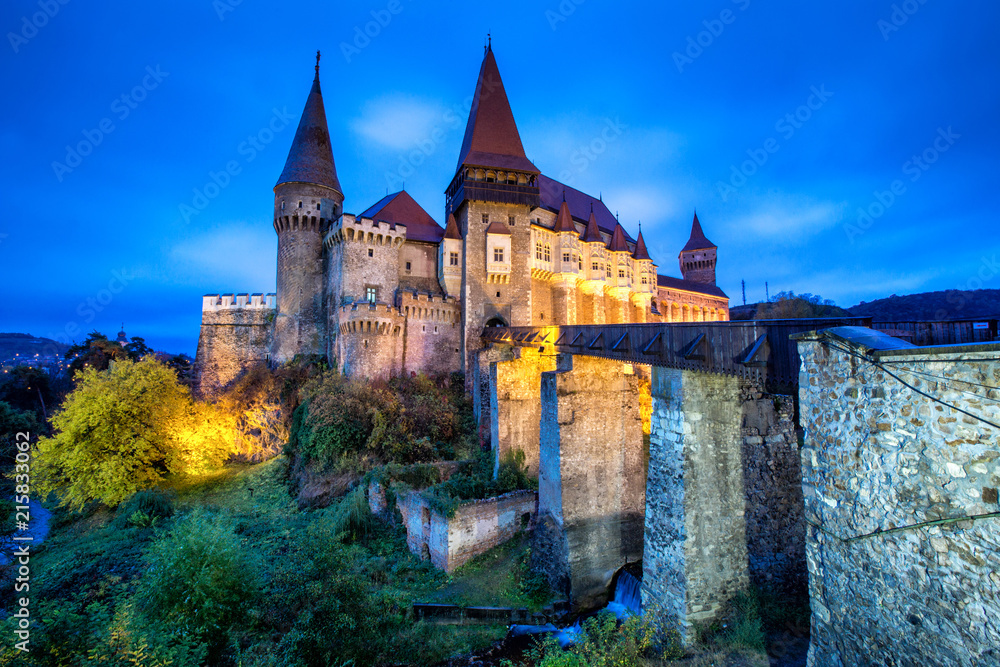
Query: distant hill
946, 305
27, 345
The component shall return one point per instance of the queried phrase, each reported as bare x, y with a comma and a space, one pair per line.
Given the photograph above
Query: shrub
199, 578
150, 506
602, 643
444, 498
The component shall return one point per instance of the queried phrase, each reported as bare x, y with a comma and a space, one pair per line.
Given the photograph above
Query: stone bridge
675, 444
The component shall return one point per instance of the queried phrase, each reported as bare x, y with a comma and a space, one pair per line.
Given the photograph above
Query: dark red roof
451, 228
689, 286
310, 159
491, 136
697, 240
640, 248
592, 233
618, 242
401, 209
564, 221
497, 227
581, 205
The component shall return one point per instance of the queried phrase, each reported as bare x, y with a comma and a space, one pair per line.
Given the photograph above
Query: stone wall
369, 340
880, 456
236, 332
516, 405
695, 533
433, 335
592, 477
476, 527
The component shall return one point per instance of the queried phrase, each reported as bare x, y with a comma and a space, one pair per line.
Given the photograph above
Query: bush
199, 578
145, 508
602, 643
444, 498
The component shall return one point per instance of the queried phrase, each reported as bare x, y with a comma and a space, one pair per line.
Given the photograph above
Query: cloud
399, 121
794, 220
234, 256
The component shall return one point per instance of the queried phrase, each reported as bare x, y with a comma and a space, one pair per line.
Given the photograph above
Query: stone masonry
516, 405
900, 493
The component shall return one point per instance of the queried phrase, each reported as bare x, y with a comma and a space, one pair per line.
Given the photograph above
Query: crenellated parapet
377, 319
219, 302
348, 228
237, 331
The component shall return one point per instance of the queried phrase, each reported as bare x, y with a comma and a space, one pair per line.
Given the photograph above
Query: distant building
391, 291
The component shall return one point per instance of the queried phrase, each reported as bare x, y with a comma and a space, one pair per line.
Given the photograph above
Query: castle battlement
212, 303
381, 319
365, 230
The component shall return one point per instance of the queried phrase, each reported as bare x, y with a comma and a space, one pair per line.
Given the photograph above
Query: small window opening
371, 252
486, 218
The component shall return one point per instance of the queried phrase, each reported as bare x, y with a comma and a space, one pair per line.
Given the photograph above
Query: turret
697, 258
307, 199
450, 259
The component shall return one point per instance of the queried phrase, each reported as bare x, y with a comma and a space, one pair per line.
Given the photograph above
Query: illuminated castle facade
391, 291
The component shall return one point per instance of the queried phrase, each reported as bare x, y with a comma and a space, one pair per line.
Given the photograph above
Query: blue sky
778, 121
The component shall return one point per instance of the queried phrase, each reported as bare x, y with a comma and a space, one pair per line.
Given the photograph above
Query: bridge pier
695, 533
591, 476
516, 404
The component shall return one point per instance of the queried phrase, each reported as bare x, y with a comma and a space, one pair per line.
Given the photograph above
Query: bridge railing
756, 350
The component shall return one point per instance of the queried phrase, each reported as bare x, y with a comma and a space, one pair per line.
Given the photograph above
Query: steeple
451, 229
592, 234
310, 159
618, 242
491, 136
564, 221
697, 240
640, 248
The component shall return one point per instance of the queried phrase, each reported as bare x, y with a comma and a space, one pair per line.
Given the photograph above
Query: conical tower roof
564, 221
310, 159
451, 229
618, 242
640, 248
697, 240
491, 136
592, 234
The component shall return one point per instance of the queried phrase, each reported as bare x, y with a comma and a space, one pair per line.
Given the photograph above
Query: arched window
538, 250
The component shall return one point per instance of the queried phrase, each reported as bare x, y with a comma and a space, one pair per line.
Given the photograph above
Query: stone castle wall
433, 334
370, 340
237, 331
879, 456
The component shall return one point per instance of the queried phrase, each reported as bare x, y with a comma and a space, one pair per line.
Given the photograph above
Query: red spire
564, 221
592, 234
618, 242
451, 229
697, 240
640, 248
310, 159
491, 136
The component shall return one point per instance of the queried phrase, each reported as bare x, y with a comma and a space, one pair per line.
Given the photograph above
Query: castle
389, 291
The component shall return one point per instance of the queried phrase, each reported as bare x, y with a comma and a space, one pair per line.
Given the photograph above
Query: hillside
27, 345
946, 305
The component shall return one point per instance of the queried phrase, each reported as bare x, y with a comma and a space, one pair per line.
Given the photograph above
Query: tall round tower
307, 199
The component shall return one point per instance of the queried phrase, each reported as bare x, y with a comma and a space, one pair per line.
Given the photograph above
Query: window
498, 295
579, 262
538, 250
282, 204
594, 266
486, 218
644, 282
317, 207
609, 270
621, 273
497, 254
408, 267
371, 294
300, 204
510, 220
453, 259
548, 253
566, 257
371, 252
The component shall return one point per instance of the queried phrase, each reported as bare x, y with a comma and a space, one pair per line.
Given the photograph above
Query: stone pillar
591, 477
695, 538
564, 299
478, 383
516, 405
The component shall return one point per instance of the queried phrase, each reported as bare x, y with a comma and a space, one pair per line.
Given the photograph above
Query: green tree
788, 305
122, 430
28, 388
96, 351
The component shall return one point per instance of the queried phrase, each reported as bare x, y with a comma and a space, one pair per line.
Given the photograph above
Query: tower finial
317, 63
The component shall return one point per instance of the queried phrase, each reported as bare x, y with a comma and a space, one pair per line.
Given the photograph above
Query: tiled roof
689, 286
580, 204
451, 228
564, 221
497, 227
697, 240
310, 159
401, 209
491, 136
640, 248
618, 242
592, 233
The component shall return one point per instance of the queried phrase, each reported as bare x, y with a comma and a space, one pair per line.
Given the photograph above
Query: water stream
38, 530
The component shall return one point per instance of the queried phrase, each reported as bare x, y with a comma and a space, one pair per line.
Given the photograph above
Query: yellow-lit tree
124, 429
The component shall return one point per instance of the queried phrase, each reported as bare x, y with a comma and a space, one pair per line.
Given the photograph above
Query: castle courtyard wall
901, 499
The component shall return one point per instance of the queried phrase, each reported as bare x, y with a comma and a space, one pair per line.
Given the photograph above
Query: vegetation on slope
933, 306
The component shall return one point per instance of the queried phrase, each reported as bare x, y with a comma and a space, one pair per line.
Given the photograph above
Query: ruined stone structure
900, 472
390, 291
